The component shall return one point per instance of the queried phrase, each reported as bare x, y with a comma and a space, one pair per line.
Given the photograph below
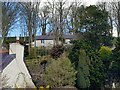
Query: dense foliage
83, 74
94, 24
115, 67
105, 52
96, 70
105, 55
56, 51
43, 51
59, 73
95, 29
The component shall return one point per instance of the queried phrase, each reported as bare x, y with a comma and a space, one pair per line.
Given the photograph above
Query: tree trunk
61, 23
30, 33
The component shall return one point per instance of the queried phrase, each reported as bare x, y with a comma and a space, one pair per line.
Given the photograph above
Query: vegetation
95, 23
10, 16
105, 52
93, 63
115, 67
56, 73
83, 74
59, 73
43, 51
57, 51
32, 53
90, 61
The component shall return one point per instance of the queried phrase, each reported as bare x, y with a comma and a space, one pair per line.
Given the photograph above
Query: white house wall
67, 41
48, 43
18, 76
16, 71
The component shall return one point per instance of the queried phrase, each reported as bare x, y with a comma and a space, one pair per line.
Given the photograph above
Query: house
12, 67
48, 40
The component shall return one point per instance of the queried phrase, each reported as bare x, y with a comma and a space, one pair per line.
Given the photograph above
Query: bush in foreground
59, 73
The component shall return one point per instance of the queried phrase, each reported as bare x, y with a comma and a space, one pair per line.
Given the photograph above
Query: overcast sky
90, 2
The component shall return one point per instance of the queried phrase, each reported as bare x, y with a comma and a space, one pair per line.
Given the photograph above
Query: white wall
16, 71
67, 41
46, 43
49, 42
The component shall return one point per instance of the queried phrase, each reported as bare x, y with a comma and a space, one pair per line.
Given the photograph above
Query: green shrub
83, 74
105, 55
68, 48
105, 52
42, 51
32, 53
59, 73
57, 51
115, 66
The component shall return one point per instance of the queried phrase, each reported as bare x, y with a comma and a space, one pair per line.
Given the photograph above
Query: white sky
90, 2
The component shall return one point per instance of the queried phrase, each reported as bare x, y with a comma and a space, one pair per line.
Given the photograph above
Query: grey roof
6, 59
51, 37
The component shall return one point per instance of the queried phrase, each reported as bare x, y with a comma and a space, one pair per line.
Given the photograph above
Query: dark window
42, 41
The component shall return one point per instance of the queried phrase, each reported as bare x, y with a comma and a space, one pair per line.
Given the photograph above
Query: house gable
6, 59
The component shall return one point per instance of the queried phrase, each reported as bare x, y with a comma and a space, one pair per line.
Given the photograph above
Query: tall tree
83, 80
58, 18
30, 16
54, 21
107, 7
44, 15
74, 17
115, 7
60, 11
10, 16
114, 72
94, 24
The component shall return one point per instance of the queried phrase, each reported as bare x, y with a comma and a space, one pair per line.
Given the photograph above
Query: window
42, 41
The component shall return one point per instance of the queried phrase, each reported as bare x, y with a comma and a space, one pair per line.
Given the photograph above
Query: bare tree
10, 16
115, 7
53, 19
44, 15
74, 17
30, 16
59, 18
36, 20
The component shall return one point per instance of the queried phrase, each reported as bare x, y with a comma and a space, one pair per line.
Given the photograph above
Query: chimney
17, 40
18, 49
